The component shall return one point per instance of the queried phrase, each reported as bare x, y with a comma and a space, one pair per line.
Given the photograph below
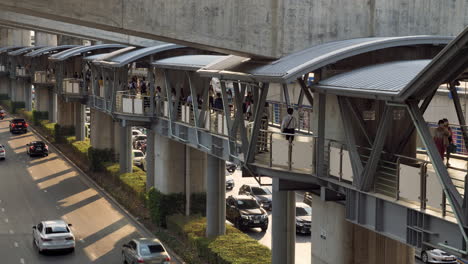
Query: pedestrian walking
441, 138
288, 126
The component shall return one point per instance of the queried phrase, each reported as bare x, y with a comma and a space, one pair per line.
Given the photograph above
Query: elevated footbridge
347, 96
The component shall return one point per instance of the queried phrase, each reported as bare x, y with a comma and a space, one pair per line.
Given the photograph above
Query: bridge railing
42, 77
22, 71
72, 86
303, 114
3, 68
135, 104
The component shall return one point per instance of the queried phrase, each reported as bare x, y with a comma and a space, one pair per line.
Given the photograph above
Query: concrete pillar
18, 86
41, 38
52, 106
334, 240
102, 130
215, 197
283, 232
125, 153
15, 37
65, 112
42, 99
68, 40
4, 85
169, 168
80, 119
28, 96
150, 159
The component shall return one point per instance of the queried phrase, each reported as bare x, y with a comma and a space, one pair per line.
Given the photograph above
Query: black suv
260, 193
18, 125
37, 148
244, 212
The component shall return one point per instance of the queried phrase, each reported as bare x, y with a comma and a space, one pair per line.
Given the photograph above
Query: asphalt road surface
35, 189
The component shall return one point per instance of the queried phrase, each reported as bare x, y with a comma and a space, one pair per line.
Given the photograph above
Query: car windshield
247, 204
260, 191
39, 144
303, 211
146, 250
138, 154
57, 230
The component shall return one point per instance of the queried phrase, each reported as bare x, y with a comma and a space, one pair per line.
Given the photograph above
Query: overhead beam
359, 120
17, 20
250, 157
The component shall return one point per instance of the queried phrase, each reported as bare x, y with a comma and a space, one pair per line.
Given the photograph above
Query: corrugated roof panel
24, 50
188, 62
6, 49
66, 54
386, 78
129, 57
45, 50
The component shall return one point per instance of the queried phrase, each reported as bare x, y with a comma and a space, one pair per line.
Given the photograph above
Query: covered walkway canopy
106, 56
188, 62
132, 56
10, 48
291, 67
66, 54
24, 50
47, 50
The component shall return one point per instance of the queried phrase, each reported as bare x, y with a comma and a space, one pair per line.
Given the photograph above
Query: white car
138, 157
2, 152
437, 256
136, 132
53, 235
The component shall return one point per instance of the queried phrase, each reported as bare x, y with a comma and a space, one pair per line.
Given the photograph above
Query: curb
91, 183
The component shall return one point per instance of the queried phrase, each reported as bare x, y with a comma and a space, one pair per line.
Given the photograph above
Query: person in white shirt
288, 126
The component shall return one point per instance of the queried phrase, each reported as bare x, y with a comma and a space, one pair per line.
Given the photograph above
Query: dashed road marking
22, 261
16, 244
6, 220
3, 209
12, 232
45, 190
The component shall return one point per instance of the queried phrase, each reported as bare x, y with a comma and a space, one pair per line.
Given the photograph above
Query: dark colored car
244, 212
37, 148
18, 125
260, 193
303, 218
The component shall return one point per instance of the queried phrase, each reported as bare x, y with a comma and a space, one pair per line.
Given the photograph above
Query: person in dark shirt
218, 102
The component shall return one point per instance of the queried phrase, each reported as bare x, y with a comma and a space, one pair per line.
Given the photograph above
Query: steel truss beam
460, 115
451, 192
356, 162
368, 176
360, 121
306, 91
239, 121
260, 105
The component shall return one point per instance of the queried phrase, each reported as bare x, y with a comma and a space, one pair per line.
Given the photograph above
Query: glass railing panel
410, 183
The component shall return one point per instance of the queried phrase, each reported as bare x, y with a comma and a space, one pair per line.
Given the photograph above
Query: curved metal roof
105, 56
385, 80
126, 58
45, 50
292, 66
66, 54
6, 49
187, 62
24, 50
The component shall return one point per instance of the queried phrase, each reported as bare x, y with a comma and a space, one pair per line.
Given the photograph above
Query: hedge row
234, 247
134, 183
4, 97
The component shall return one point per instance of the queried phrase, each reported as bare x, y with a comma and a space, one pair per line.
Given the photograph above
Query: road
35, 189
303, 242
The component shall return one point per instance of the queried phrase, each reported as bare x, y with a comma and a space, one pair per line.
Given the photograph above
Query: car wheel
124, 260
264, 228
424, 257
237, 223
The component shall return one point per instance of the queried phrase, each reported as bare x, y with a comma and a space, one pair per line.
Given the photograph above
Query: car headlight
245, 217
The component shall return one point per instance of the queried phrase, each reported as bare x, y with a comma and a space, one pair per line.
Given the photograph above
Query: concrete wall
102, 130
268, 28
42, 38
12, 37
334, 125
334, 240
42, 99
65, 112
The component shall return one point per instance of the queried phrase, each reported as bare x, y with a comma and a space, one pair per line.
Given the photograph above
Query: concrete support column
28, 96
14, 37
65, 113
125, 154
102, 130
169, 168
68, 40
80, 121
42, 99
41, 38
52, 106
283, 224
150, 159
5, 85
215, 197
18, 86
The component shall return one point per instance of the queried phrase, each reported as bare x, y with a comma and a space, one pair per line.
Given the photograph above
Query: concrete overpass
263, 28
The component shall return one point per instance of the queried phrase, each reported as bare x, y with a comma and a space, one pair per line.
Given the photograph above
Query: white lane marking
58, 207
6, 220
12, 232
3, 209
45, 190
22, 261
16, 244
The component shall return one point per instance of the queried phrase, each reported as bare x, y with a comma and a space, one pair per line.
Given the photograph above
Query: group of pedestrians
443, 139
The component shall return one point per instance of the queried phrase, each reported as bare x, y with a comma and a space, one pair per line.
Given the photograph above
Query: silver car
2, 152
53, 235
145, 250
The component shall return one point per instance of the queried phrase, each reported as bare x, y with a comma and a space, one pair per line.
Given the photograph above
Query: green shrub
98, 158
15, 106
134, 182
6, 104
198, 204
4, 97
62, 131
162, 205
37, 116
48, 127
80, 147
234, 247
26, 114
